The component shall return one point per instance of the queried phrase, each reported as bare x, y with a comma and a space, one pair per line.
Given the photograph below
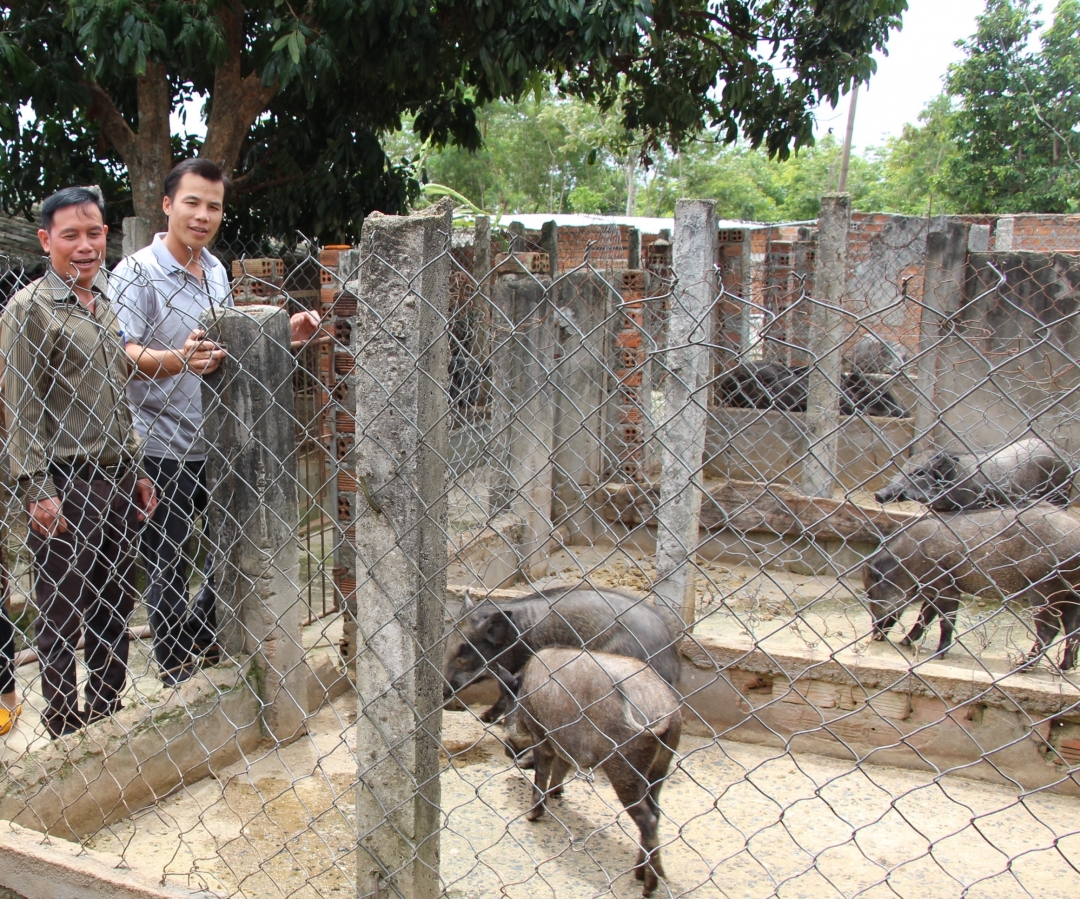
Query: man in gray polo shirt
161, 292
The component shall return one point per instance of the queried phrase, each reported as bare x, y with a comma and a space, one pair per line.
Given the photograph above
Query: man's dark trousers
179, 631
85, 584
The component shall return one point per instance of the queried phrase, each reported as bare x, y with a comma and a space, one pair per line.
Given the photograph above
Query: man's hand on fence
202, 356
307, 326
47, 516
146, 497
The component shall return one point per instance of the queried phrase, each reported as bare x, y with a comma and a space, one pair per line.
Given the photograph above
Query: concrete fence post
525, 411
481, 266
549, 242
681, 433
825, 344
633, 249
254, 513
943, 292
137, 233
401, 528
517, 237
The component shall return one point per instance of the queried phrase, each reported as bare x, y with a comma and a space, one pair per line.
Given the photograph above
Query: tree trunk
236, 100
235, 103
147, 153
631, 182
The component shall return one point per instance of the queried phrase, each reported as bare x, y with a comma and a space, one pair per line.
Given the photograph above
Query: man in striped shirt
76, 457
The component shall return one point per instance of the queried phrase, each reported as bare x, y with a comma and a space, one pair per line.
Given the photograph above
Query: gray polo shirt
159, 304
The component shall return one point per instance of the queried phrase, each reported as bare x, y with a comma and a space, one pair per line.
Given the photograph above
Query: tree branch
237, 99
113, 125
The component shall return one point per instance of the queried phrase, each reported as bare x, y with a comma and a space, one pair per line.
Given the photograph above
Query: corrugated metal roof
535, 221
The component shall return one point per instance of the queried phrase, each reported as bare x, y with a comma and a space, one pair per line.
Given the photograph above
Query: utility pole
845, 158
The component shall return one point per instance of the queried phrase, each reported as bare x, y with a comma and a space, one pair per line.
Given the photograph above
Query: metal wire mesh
733, 474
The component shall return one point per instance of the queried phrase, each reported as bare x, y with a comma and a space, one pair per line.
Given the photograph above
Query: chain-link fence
747, 469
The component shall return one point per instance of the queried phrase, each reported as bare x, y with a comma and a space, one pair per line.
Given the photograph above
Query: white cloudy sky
912, 73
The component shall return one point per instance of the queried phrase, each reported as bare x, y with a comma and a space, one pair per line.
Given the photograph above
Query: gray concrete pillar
943, 293
138, 233
825, 344
633, 249
584, 309
681, 433
1004, 232
524, 363
549, 242
517, 237
481, 249
254, 513
401, 528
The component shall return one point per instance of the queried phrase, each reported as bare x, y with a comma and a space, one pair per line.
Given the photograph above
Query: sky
911, 75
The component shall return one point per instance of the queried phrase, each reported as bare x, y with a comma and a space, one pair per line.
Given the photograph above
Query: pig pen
811, 762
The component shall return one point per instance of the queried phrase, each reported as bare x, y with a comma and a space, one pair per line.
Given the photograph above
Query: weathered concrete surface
524, 418
115, 767
62, 870
162, 739
254, 512
936, 716
681, 434
1008, 368
769, 446
825, 344
401, 452
946, 258
582, 319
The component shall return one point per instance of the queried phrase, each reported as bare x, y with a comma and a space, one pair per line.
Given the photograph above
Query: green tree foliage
1017, 114
913, 163
558, 155
299, 93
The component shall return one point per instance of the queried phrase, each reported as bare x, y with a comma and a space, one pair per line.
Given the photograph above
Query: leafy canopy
300, 94
1017, 113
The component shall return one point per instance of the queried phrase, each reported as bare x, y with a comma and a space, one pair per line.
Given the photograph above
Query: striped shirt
63, 384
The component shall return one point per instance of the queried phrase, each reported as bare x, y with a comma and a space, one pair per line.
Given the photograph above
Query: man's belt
89, 471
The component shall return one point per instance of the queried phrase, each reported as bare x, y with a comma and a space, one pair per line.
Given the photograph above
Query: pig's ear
880, 567
946, 467
496, 630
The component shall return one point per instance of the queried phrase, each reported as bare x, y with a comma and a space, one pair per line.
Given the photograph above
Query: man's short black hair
204, 168
70, 196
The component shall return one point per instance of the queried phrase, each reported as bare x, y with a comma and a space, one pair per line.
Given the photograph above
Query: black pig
1032, 554
498, 638
766, 385
949, 482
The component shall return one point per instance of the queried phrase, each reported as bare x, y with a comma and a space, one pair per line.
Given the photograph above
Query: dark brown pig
1032, 554
1021, 473
498, 638
581, 709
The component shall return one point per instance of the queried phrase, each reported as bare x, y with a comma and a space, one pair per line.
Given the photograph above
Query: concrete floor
738, 820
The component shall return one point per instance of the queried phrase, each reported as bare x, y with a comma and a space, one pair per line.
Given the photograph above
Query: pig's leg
946, 606
544, 757
632, 788
560, 767
927, 612
1047, 619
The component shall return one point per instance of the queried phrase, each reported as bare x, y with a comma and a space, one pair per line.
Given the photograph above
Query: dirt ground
738, 820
